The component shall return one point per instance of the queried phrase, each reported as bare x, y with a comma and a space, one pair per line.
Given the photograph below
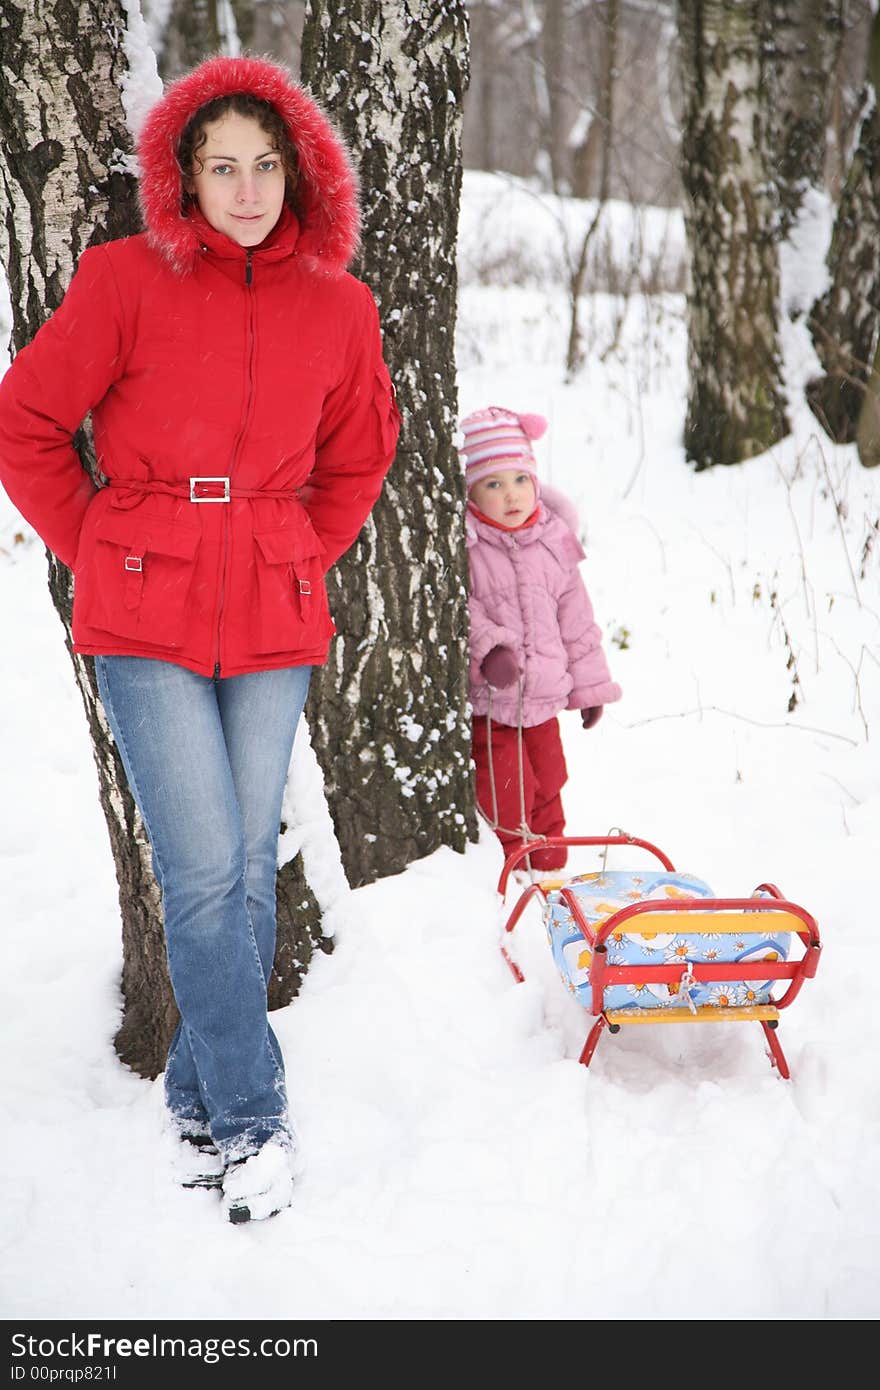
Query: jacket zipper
236, 448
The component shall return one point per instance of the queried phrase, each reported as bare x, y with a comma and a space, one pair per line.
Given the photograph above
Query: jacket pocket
291, 610
136, 577
385, 407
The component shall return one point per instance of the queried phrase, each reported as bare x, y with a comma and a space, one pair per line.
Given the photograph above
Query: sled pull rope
685, 985
612, 830
522, 829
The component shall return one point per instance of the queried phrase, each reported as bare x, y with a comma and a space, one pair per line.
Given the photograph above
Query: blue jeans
207, 763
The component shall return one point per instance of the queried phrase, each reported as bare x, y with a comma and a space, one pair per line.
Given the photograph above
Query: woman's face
239, 179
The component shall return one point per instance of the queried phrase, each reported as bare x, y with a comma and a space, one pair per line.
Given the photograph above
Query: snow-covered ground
460, 1164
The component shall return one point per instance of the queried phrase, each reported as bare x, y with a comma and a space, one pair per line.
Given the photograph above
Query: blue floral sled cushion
601, 895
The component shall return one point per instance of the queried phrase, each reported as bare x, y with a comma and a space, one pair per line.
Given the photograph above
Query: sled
648, 946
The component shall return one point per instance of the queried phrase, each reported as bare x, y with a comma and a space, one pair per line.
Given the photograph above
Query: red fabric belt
200, 489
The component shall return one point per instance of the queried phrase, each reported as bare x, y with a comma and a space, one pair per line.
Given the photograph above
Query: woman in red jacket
244, 421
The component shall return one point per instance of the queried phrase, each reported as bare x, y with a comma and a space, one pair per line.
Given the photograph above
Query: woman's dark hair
243, 104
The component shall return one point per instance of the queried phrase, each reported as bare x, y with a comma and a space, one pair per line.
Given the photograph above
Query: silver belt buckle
193, 483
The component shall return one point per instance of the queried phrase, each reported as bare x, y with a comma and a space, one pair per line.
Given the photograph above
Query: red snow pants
544, 776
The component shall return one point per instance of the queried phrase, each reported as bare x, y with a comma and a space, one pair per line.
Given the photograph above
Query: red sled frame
721, 914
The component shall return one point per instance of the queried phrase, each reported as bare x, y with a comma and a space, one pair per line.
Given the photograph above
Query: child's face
507, 497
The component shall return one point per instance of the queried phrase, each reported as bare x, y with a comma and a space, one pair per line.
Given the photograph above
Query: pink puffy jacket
526, 593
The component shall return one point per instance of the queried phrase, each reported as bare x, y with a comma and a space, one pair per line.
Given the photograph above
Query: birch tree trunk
389, 713
802, 46
845, 321
66, 183
192, 30
270, 26
604, 124
484, 32
735, 399
62, 70
553, 50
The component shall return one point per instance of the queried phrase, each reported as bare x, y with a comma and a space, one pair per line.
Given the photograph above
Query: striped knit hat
496, 438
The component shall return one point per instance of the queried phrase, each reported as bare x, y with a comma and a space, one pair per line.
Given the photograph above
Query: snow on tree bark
845, 321
66, 176
801, 46
389, 713
67, 183
735, 398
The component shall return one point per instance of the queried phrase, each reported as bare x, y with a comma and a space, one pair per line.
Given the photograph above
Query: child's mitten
589, 717
500, 667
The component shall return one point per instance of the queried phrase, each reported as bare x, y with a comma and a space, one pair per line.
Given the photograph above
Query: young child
531, 621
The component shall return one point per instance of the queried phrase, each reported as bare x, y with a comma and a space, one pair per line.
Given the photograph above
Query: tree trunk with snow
64, 193
845, 321
802, 45
735, 398
65, 184
389, 713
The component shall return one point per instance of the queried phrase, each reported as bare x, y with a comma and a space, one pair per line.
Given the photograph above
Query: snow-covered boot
197, 1162
260, 1186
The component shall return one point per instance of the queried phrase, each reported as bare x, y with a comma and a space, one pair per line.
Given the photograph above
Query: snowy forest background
460, 1163
536, 77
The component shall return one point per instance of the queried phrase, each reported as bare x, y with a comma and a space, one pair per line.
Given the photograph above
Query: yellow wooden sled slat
746, 1013
708, 923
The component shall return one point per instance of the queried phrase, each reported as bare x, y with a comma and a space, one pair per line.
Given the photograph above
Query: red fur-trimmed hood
327, 192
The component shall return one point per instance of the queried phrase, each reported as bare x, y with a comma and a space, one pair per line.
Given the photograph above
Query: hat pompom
533, 425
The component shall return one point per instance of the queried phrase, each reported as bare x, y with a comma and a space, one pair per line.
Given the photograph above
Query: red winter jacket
200, 360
